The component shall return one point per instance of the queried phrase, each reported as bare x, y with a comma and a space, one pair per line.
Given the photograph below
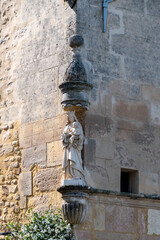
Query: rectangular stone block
34, 155
121, 219
103, 178
155, 113
54, 153
97, 125
38, 127
89, 152
38, 139
135, 6
150, 25
149, 183
119, 88
53, 128
25, 184
130, 46
153, 8
149, 237
49, 136
48, 179
80, 234
142, 225
25, 136
123, 124
100, 217
114, 236
133, 110
105, 147
150, 93
26, 142
141, 70
154, 222
23, 202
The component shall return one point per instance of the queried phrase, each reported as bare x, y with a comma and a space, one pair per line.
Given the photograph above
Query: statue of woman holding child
72, 140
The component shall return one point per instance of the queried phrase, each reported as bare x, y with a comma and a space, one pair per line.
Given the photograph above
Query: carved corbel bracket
75, 205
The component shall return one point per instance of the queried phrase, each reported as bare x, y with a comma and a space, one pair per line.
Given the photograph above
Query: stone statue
72, 140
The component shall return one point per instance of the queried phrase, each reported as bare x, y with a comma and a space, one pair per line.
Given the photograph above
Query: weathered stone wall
120, 218
34, 54
122, 125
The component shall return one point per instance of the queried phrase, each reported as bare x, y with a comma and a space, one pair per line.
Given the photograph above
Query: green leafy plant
49, 225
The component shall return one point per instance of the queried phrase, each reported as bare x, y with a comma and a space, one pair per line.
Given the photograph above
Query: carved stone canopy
75, 86
71, 2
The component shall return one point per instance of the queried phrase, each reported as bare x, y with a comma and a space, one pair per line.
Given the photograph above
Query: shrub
49, 225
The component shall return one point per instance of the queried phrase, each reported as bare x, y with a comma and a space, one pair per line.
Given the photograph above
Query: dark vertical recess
125, 181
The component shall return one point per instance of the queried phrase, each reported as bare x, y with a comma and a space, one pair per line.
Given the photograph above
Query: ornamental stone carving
75, 86
75, 205
75, 97
72, 140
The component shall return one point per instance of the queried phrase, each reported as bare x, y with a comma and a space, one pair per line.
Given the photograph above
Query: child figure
74, 133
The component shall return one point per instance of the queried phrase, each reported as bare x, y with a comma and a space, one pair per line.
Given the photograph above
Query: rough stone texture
149, 183
10, 167
119, 217
153, 222
123, 67
25, 184
76, 41
83, 235
23, 202
131, 110
32, 65
142, 221
122, 127
99, 223
34, 155
48, 179
54, 155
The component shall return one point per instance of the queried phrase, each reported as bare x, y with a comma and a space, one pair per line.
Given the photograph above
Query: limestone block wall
34, 54
120, 218
122, 125
10, 168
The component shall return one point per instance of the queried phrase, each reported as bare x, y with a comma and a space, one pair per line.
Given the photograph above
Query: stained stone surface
34, 155
48, 179
122, 126
25, 184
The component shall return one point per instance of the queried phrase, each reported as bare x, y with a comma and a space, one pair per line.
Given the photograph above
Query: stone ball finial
76, 41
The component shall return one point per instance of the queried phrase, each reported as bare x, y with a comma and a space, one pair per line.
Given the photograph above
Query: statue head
75, 125
71, 116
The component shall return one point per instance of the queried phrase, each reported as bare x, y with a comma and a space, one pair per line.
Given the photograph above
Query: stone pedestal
73, 182
75, 206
